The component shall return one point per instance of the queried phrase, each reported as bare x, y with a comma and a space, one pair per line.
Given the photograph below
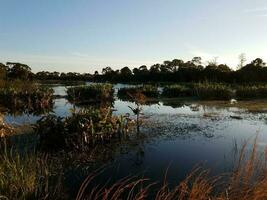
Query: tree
197, 61
107, 70
19, 70
125, 71
3, 71
242, 60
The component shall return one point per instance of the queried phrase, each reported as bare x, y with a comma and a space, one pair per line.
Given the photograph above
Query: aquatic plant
83, 129
147, 90
26, 96
94, 93
176, 91
212, 91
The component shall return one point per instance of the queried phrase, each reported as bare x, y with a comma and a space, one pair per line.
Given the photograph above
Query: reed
254, 91
27, 176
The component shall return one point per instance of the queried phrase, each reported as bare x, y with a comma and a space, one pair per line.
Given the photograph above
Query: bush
91, 93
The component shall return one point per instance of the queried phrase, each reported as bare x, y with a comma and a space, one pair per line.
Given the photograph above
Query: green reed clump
212, 91
172, 91
254, 91
18, 95
27, 176
84, 128
90, 93
148, 90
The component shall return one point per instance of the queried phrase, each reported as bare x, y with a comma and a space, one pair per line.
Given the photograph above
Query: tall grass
247, 182
256, 91
27, 176
211, 91
90, 93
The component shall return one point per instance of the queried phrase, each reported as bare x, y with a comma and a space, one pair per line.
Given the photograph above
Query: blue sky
87, 35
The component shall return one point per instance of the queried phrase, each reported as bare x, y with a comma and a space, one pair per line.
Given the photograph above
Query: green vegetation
84, 129
173, 91
94, 93
27, 176
254, 91
148, 90
212, 91
27, 96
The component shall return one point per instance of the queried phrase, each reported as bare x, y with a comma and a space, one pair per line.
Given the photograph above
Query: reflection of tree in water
28, 109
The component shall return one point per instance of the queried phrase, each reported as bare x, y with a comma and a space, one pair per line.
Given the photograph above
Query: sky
87, 35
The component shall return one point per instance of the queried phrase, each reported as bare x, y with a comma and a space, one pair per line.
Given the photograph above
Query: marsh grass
254, 91
83, 129
25, 96
247, 182
173, 91
27, 176
147, 90
94, 93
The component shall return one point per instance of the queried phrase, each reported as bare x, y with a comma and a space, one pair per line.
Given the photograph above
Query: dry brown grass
247, 182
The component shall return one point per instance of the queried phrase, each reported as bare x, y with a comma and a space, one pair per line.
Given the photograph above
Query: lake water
180, 135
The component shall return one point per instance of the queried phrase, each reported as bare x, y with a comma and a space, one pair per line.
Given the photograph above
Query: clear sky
86, 35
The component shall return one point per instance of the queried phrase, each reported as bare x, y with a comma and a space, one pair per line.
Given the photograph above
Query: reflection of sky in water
187, 135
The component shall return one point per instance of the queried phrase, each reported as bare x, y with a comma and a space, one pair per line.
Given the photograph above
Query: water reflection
180, 132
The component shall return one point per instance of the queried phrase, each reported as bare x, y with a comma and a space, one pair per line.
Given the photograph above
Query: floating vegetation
94, 93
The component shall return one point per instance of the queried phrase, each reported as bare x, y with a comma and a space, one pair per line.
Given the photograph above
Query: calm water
179, 135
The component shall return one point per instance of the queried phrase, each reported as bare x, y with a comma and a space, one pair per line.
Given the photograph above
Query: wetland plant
147, 90
83, 129
94, 93
27, 96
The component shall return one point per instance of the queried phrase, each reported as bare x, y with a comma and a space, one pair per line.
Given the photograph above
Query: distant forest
169, 71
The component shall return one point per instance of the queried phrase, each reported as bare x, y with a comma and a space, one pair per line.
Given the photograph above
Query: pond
179, 133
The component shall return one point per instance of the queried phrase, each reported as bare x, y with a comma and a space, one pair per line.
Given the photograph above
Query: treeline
169, 71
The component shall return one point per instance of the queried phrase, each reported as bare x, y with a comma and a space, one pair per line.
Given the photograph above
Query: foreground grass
27, 176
